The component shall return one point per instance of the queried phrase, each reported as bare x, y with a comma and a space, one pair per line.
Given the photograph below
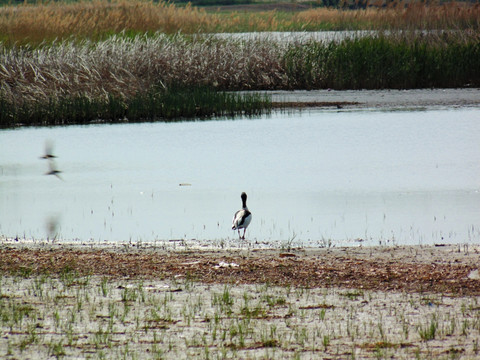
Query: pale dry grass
124, 67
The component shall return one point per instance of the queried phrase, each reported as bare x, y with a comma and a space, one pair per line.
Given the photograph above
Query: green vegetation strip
165, 105
400, 61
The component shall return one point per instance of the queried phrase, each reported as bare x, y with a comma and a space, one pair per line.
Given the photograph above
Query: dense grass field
79, 62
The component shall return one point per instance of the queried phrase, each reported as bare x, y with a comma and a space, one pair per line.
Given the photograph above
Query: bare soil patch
377, 99
442, 269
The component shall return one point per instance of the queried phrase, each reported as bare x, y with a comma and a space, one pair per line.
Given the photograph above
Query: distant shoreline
380, 99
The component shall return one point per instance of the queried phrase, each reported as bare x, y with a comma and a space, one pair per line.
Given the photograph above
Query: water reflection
319, 177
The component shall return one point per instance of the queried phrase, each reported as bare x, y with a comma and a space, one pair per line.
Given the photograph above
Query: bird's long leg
244, 231
239, 234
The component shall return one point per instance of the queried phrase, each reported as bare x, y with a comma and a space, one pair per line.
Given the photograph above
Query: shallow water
297, 36
316, 178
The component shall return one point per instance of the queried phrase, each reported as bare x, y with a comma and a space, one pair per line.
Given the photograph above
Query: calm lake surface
319, 177
296, 36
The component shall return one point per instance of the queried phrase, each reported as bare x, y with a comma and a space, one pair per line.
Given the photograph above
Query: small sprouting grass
273, 301
428, 330
103, 317
353, 295
104, 286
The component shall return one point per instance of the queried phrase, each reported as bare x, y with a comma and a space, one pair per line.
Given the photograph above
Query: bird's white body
242, 217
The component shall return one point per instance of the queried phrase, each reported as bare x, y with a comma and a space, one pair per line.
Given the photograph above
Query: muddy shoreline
150, 300
414, 99
444, 269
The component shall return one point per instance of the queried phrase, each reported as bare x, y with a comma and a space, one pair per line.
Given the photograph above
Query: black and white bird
242, 217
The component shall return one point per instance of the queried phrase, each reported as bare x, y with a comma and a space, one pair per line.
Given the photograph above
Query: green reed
378, 62
158, 104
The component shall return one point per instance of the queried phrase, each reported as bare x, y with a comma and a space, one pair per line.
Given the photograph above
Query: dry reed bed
123, 67
35, 23
415, 15
95, 19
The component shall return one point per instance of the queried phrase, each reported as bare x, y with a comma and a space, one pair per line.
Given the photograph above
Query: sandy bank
381, 99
